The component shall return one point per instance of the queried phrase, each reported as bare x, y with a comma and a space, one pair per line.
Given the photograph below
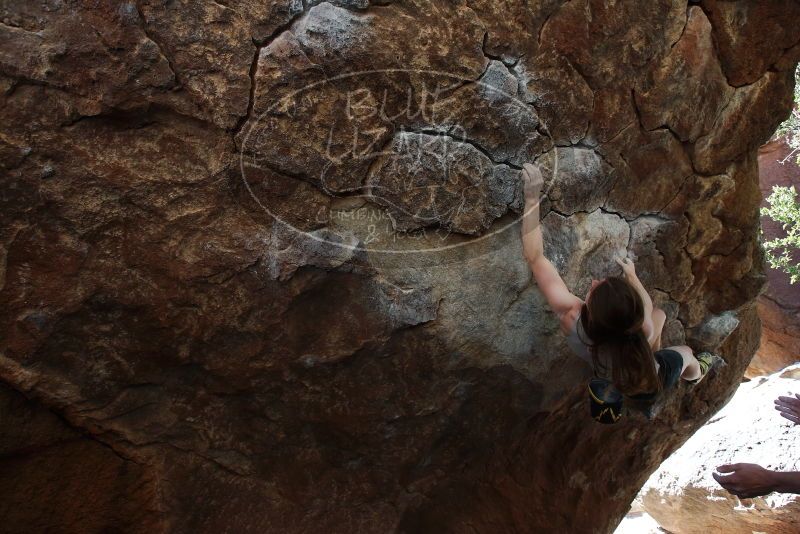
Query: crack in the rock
20, 80
222, 277
522, 90
547, 19
772, 67
134, 446
602, 209
580, 72
636, 110
147, 117
683, 31
660, 220
20, 28
286, 26
115, 398
718, 117
160, 48
474, 144
223, 5
618, 214
72, 421
769, 68
494, 57
620, 132
667, 128
680, 190
289, 25
260, 45
251, 101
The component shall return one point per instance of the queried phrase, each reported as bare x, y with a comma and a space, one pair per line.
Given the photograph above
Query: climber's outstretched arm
547, 278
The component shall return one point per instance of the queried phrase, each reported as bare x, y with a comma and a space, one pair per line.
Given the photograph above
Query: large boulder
684, 498
263, 257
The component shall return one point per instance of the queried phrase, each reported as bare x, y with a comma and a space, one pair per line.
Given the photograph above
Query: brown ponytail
612, 317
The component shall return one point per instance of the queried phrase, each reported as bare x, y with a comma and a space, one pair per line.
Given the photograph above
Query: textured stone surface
426, 180
200, 275
689, 90
753, 36
683, 497
56, 480
737, 131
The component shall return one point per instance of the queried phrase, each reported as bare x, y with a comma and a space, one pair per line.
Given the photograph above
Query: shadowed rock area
264, 257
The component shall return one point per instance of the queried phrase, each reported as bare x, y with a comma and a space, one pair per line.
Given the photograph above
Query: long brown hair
612, 317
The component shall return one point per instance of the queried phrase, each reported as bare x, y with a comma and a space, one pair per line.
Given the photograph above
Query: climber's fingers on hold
626, 264
527, 171
532, 174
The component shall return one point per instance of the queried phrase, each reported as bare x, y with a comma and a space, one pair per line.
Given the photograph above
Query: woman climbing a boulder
615, 327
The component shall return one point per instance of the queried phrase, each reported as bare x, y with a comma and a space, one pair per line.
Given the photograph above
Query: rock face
265, 257
684, 498
779, 305
56, 480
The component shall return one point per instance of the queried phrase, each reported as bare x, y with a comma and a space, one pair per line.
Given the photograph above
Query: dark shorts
606, 403
670, 366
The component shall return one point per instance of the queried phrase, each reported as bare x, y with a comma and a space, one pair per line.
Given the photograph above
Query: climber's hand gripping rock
533, 181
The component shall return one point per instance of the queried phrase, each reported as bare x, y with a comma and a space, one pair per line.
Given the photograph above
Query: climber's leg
691, 367
659, 318
696, 367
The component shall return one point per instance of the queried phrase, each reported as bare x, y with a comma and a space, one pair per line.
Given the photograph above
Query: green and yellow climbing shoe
707, 361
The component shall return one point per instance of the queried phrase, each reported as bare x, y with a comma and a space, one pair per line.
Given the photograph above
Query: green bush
790, 128
784, 209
